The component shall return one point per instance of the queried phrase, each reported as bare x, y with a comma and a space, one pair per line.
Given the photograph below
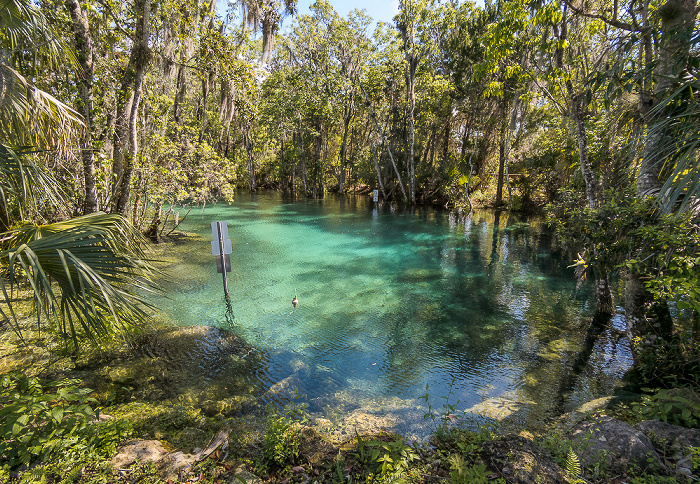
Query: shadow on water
392, 300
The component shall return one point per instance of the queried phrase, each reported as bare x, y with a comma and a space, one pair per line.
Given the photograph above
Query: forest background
113, 113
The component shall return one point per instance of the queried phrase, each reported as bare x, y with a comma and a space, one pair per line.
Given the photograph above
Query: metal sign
221, 248
215, 247
375, 195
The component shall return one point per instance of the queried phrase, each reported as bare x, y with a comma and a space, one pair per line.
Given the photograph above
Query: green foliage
78, 271
572, 466
282, 437
695, 457
463, 473
386, 459
52, 422
627, 234
670, 406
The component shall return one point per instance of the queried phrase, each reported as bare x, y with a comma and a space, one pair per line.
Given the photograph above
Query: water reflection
391, 300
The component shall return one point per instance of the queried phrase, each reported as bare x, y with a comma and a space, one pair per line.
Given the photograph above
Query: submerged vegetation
116, 118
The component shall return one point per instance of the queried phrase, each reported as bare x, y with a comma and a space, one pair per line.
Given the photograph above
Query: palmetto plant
84, 274
28, 115
24, 187
677, 118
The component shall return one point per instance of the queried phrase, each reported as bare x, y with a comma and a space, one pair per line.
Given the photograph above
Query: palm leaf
676, 120
86, 275
24, 185
32, 117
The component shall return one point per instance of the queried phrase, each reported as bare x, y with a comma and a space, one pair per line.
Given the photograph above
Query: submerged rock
285, 389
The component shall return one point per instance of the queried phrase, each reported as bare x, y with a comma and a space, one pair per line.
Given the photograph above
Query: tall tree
84, 48
128, 101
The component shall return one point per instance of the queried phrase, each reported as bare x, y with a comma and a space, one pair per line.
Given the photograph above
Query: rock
169, 463
141, 450
497, 408
673, 441
521, 461
173, 463
286, 389
619, 445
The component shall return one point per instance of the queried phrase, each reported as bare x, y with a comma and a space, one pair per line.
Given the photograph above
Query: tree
84, 47
413, 14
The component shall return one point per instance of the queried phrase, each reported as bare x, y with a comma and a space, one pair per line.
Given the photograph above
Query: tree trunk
648, 319
501, 161
349, 114
248, 142
385, 141
84, 48
376, 165
604, 303
677, 24
126, 141
411, 87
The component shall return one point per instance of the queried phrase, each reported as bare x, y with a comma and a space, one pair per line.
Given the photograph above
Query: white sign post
221, 248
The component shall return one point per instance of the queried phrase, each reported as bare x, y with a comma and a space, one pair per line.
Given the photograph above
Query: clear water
476, 307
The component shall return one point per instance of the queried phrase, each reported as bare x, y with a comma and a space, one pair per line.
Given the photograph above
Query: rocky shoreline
201, 431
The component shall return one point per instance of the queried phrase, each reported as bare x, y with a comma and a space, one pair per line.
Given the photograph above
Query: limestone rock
521, 461
141, 450
170, 463
673, 441
618, 444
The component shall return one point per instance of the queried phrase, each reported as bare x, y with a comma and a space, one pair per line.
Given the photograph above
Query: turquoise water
476, 307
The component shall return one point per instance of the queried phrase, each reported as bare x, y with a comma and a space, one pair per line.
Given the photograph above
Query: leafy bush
51, 421
671, 406
385, 459
282, 438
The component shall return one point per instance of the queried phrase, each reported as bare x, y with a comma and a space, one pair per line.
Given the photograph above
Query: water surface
475, 307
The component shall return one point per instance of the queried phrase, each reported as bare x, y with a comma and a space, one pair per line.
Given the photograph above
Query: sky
379, 10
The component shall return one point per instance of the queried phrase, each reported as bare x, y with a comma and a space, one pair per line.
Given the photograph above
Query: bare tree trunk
677, 25
501, 161
376, 165
648, 319
411, 87
304, 173
604, 303
84, 48
248, 142
126, 142
349, 114
385, 141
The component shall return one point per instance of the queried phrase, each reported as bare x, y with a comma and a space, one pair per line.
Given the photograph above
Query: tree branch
609, 21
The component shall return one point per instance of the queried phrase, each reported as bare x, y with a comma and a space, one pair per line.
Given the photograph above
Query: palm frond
24, 185
88, 276
32, 117
25, 28
676, 121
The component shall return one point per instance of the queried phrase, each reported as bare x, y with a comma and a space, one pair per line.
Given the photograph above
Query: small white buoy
295, 301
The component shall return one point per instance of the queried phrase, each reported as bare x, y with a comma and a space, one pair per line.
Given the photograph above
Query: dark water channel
474, 306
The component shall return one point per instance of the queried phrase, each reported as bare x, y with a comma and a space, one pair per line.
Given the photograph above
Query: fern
72, 476
36, 475
573, 468
462, 473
